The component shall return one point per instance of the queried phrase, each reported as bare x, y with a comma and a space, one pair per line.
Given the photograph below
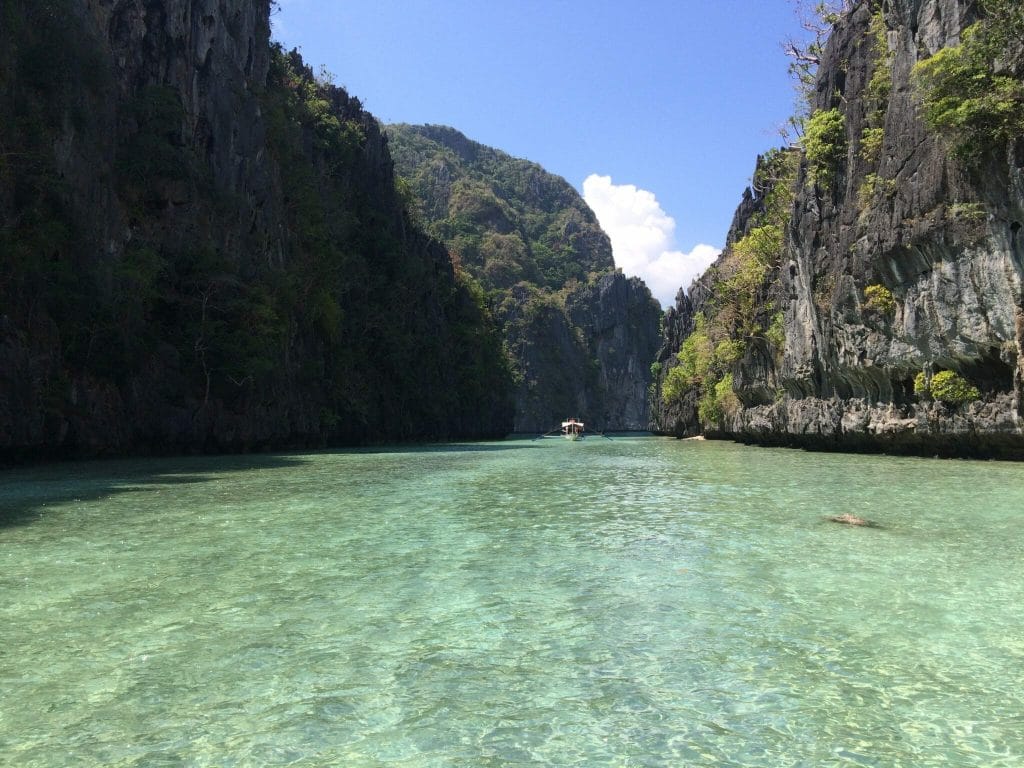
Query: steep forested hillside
508, 220
204, 248
580, 334
871, 295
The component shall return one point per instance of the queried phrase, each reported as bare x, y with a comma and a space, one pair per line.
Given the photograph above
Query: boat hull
572, 429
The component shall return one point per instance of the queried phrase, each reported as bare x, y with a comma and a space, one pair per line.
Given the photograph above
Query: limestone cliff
204, 248
901, 259
585, 353
581, 336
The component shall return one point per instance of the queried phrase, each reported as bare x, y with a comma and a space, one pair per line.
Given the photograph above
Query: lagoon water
627, 602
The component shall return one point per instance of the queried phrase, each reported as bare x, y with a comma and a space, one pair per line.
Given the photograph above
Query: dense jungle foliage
506, 220
343, 306
973, 93
526, 235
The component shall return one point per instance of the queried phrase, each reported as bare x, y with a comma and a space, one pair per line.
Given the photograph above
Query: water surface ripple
627, 602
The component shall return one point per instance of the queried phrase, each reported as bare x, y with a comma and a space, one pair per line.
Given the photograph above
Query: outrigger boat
572, 429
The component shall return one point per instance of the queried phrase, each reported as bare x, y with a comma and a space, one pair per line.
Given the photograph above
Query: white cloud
644, 237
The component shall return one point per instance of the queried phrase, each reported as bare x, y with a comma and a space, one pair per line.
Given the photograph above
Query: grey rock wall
943, 237
591, 360
619, 319
214, 57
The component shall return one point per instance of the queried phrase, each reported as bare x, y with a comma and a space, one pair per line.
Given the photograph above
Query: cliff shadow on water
28, 494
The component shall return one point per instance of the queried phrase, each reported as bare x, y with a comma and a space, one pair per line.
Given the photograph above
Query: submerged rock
849, 519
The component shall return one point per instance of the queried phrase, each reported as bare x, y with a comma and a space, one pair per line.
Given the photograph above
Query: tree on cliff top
805, 51
973, 93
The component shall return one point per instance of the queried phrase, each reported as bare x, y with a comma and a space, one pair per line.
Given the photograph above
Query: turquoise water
627, 602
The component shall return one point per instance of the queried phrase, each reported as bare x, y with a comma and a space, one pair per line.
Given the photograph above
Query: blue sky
655, 110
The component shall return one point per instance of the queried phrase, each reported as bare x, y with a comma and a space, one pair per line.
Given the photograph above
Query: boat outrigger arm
571, 429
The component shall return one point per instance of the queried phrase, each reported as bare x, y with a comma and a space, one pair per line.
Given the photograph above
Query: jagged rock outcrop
582, 336
935, 237
204, 248
588, 358
676, 416
619, 320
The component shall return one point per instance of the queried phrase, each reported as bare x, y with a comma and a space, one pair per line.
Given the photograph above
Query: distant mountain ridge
507, 218
581, 335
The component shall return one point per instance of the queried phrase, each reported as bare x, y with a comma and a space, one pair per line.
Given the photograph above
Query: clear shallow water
635, 602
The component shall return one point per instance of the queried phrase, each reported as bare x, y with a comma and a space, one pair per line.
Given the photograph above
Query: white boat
572, 429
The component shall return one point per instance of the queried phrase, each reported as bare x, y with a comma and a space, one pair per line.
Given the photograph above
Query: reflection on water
628, 602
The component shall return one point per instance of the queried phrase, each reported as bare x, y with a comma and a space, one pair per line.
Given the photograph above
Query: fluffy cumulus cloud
644, 237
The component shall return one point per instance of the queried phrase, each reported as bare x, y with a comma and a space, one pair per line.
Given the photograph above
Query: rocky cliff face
619, 320
205, 249
587, 358
907, 262
582, 336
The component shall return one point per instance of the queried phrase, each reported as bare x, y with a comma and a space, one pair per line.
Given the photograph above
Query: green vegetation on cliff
825, 145
580, 336
741, 309
879, 298
152, 302
973, 93
947, 387
507, 220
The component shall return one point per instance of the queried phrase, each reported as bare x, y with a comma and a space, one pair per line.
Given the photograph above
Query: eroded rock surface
942, 236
